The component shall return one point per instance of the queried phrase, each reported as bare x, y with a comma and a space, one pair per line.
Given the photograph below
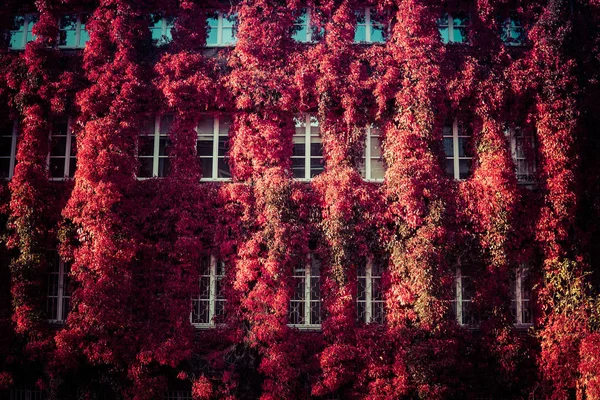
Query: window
457, 146
21, 31
160, 28
209, 306
8, 149
454, 28
59, 294
305, 304
368, 27
71, 31
303, 31
221, 29
307, 156
522, 149
178, 395
370, 304
373, 167
63, 150
212, 147
26, 393
520, 290
153, 147
463, 300
511, 31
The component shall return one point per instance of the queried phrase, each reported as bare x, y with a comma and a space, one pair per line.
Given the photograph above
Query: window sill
303, 327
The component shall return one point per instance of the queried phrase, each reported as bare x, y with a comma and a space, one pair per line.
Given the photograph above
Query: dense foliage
135, 245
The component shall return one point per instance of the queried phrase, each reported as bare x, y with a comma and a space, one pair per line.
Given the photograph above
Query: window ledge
303, 327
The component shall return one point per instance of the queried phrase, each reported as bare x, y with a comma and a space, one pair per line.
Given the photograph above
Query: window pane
4, 168
377, 34
68, 30
57, 167
5, 146
204, 147
464, 147
146, 146
164, 166
448, 145
377, 169
375, 147
224, 171
444, 33
207, 171
460, 35
298, 167
360, 35
206, 127
165, 124
223, 145
316, 147
299, 149
316, 166
450, 168
465, 168
145, 170
16, 40
212, 36
163, 146
228, 36
72, 167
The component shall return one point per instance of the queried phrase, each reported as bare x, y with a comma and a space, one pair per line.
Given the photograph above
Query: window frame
62, 297
12, 157
25, 393
458, 301
178, 395
214, 279
449, 22
78, 31
368, 301
307, 300
27, 18
506, 28
368, 157
215, 157
156, 156
67, 157
520, 272
369, 27
456, 158
166, 36
513, 135
308, 157
220, 17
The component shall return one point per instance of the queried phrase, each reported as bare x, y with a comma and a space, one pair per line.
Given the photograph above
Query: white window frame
456, 151
61, 295
368, 26
78, 30
520, 273
215, 150
458, 300
156, 150
67, 156
308, 300
450, 24
368, 301
13, 151
220, 17
513, 135
212, 308
25, 29
368, 158
307, 142
166, 35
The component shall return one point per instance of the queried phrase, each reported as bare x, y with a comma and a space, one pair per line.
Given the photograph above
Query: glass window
160, 28
62, 159
369, 29
8, 149
59, 294
303, 31
222, 28
212, 147
369, 303
520, 290
454, 28
522, 148
71, 31
464, 292
373, 167
208, 307
307, 156
26, 393
511, 31
305, 304
179, 395
153, 147
21, 31
458, 149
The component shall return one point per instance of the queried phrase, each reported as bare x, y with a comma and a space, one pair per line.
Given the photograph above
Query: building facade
299, 199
